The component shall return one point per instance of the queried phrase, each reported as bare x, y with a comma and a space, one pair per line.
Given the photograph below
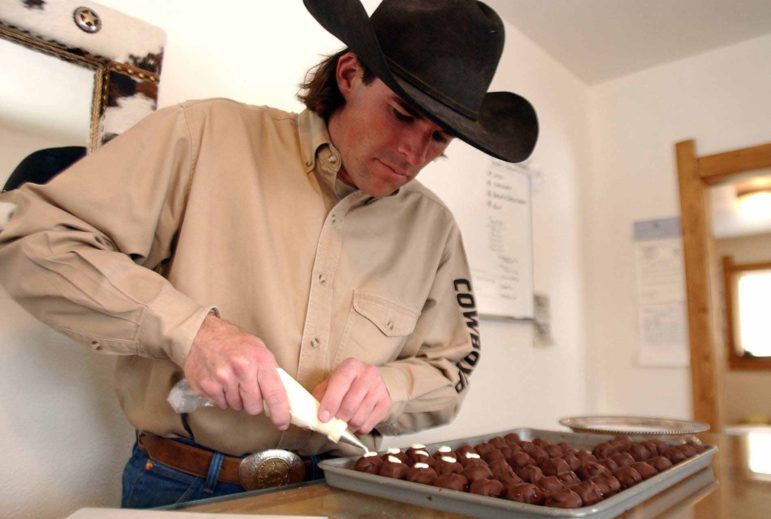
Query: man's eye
407, 118
440, 137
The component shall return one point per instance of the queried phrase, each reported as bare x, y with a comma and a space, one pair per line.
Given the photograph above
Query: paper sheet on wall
661, 293
490, 200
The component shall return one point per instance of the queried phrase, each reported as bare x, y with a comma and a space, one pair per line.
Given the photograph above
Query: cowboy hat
440, 55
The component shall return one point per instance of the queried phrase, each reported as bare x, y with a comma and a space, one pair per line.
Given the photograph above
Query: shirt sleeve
80, 251
427, 388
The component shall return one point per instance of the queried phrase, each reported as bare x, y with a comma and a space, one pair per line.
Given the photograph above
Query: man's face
383, 142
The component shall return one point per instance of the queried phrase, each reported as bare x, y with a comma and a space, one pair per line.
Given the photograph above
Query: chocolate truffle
585, 456
652, 447
689, 449
528, 446
555, 467
397, 453
572, 460
623, 459
645, 469
550, 483
660, 463
421, 473
453, 481
524, 493
474, 472
639, 452
444, 450
447, 465
621, 443
417, 453
591, 469
486, 487
611, 465
502, 470
539, 455
588, 491
554, 451
492, 455
498, 442
369, 463
463, 449
603, 450
569, 478
608, 484
470, 458
563, 499
675, 455
627, 476
512, 437
566, 448
392, 467
520, 459
530, 473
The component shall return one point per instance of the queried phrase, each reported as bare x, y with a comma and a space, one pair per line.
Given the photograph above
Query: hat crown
448, 48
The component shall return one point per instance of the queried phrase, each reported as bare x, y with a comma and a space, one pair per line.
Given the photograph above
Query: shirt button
390, 325
322, 280
308, 163
96, 345
315, 342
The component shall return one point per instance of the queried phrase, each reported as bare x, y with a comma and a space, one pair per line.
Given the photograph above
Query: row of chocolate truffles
536, 472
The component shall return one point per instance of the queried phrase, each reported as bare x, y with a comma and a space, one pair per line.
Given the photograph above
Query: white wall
257, 52
721, 100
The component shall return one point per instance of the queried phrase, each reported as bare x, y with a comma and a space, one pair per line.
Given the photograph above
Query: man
218, 241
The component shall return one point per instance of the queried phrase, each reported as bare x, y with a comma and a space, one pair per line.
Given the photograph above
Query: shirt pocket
376, 329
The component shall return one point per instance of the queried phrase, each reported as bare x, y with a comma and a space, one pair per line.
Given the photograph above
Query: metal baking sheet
340, 473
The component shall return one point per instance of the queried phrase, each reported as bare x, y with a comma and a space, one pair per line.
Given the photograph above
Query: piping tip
348, 437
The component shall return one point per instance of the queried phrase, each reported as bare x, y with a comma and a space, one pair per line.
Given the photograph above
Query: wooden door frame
695, 176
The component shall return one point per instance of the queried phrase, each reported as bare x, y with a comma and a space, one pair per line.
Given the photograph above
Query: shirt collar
318, 153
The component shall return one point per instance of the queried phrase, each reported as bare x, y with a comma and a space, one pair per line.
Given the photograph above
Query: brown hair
319, 91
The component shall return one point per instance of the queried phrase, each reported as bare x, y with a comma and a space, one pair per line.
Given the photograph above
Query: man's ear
348, 69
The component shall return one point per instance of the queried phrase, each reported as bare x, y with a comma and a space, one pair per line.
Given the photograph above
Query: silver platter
634, 425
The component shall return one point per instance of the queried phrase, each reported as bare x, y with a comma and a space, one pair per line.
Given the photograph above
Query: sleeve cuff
398, 385
170, 325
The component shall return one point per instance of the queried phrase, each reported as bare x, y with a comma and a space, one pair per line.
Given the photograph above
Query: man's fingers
337, 388
274, 396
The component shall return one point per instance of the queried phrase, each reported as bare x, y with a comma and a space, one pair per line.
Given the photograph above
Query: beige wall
720, 99
746, 392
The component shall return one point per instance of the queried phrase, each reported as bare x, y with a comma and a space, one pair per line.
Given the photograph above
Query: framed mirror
75, 75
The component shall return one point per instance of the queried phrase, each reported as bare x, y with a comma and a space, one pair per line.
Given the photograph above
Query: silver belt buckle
270, 468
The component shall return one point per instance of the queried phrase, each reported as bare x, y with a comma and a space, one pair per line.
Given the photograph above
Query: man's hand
355, 393
236, 370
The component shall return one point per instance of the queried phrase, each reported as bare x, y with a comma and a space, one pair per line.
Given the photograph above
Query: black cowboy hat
441, 56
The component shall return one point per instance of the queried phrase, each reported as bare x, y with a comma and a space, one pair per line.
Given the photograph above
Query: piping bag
303, 409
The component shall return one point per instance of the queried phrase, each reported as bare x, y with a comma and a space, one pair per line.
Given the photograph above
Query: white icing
394, 450
418, 446
421, 452
444, 448
472, 456
449, 459
394, 459
369, 454
421, 465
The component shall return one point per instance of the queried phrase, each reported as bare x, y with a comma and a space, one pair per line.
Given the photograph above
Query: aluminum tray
340, 473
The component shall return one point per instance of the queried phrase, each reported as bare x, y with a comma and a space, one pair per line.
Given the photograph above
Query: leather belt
269, 468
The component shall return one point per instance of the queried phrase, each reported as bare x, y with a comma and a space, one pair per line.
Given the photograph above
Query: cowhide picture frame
125, 53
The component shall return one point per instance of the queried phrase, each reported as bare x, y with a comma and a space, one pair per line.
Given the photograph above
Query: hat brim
507, 127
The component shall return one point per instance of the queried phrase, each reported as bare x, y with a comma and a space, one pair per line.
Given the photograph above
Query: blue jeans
149, 484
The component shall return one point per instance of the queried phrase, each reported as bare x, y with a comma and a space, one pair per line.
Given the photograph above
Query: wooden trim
735, 360
714, 168
696, 240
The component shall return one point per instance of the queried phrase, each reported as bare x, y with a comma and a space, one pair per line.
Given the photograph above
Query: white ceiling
603, 39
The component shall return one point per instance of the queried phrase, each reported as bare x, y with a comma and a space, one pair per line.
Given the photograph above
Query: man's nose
415, 144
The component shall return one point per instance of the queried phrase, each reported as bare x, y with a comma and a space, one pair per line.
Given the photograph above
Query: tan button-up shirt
215, 204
